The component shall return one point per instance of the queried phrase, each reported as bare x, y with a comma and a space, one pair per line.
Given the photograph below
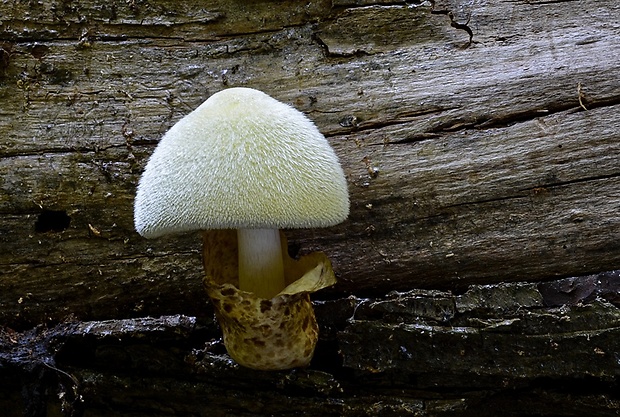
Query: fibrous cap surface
241, 160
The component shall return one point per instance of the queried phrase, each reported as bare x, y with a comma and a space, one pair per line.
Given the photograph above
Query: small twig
580, 96
73, 379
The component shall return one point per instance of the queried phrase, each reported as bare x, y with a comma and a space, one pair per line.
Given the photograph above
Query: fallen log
480, 144
423, 352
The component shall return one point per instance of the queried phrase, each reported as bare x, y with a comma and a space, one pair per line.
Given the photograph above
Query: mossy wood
527, 349
470, 161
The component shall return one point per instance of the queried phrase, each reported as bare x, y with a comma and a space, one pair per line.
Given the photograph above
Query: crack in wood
73, 150
454, 23
400, 119
538, 189
542, 2
543, 187
473, 124
482, 202
528, 115
110, 258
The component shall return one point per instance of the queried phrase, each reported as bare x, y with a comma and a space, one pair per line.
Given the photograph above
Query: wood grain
466, 164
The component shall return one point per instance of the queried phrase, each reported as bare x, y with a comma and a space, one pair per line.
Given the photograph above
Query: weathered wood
515, 343
466, 164
422, 353
472, 163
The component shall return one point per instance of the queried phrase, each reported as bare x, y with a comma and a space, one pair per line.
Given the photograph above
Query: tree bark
480, 143
529, 349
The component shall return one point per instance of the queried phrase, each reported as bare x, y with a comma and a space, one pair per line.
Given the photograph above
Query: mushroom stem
261, 269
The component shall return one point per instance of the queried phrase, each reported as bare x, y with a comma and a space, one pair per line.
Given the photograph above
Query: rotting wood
421, 352
466, 164
471, 163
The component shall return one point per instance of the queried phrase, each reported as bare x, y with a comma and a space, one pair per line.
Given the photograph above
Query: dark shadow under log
532, 349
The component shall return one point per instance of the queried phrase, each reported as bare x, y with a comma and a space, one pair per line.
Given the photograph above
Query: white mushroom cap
241, 160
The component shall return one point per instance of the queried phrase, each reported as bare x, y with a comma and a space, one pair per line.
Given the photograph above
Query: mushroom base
266, 334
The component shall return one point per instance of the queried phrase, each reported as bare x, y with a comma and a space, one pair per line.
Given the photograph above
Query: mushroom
244, 161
